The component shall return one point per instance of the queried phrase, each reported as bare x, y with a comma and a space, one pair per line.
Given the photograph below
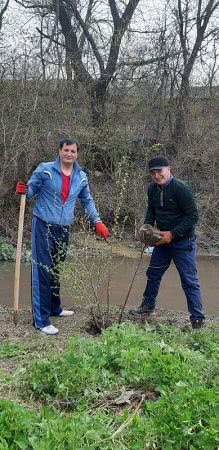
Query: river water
170, 296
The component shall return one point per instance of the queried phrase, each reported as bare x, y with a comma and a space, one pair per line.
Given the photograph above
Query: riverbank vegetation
151, 387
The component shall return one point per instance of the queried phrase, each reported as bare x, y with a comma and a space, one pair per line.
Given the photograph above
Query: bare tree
210, 64
3, 9
96, 88
194, 18
104, 50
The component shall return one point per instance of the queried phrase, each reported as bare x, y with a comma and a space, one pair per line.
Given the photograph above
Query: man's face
68, 153
160, 176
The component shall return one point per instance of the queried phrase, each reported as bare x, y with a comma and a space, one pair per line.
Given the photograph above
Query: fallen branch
125, 424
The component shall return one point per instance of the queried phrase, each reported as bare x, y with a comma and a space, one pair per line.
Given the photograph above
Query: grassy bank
147, 387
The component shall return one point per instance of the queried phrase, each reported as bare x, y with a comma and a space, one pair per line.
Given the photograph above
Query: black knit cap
158, 163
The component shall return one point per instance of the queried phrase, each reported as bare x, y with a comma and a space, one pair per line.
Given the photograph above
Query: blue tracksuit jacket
46, 184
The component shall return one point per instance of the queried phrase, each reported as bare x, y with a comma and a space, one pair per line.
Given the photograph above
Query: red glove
167, 238
101, 229
21, 187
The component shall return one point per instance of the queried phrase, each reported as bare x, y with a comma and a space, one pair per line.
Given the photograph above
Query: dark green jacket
172, 207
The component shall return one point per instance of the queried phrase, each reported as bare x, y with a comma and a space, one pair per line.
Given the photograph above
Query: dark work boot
197, 323
142, 309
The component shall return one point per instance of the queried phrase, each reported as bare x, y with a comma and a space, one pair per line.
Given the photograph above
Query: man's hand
167, 238
148, 235
140, 232
101, 229
21, 187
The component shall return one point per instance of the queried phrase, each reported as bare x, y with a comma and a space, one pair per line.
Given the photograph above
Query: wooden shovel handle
18, 258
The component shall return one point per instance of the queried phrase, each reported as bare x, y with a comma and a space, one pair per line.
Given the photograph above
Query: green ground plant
10, 349
7, 251
77, 389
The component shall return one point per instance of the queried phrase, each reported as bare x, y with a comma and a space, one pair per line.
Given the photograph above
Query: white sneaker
66, 313
50, 329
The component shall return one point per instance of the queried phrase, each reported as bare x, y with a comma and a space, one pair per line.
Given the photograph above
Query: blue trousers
183, 254
49, 247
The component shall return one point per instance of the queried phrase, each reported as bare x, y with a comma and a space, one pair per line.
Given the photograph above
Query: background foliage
128, 80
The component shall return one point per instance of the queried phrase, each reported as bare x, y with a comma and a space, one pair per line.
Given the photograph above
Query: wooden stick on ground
18, 258
21, 175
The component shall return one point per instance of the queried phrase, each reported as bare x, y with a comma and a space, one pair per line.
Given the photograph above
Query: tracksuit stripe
35, 279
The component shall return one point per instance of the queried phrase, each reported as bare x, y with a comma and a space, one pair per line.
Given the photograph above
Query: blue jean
183, 254
49, 247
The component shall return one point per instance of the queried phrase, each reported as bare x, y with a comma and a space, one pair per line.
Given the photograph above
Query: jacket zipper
161, 198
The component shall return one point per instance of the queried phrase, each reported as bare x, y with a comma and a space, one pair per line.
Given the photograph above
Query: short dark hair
68, 140
158, 162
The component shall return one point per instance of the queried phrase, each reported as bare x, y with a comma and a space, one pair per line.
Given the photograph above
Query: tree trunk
98, 99
180, 131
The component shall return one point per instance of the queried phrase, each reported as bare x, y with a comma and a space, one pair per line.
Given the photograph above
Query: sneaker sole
48, 334
148, 313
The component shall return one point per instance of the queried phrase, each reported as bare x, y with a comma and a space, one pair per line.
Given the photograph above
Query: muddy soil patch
81, 323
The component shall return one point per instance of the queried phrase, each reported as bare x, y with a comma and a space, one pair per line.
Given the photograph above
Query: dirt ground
81, 323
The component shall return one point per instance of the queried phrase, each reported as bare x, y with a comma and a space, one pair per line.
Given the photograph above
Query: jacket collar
57, 166
168, 181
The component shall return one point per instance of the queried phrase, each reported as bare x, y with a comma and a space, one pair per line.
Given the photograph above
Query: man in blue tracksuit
57, 185
171, 206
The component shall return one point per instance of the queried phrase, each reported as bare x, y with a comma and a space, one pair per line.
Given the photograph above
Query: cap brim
157, 167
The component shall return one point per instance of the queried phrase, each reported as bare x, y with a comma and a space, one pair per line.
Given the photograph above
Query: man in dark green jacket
171, 206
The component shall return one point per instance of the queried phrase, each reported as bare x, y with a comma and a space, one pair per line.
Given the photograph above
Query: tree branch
210, 8
31, 5
207, 14
116, 40
199, 19
128, 13
3, 11
4, 8
72, 46
87, 22
143, 62
182, 33
114, 12
47, 36
89, 37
